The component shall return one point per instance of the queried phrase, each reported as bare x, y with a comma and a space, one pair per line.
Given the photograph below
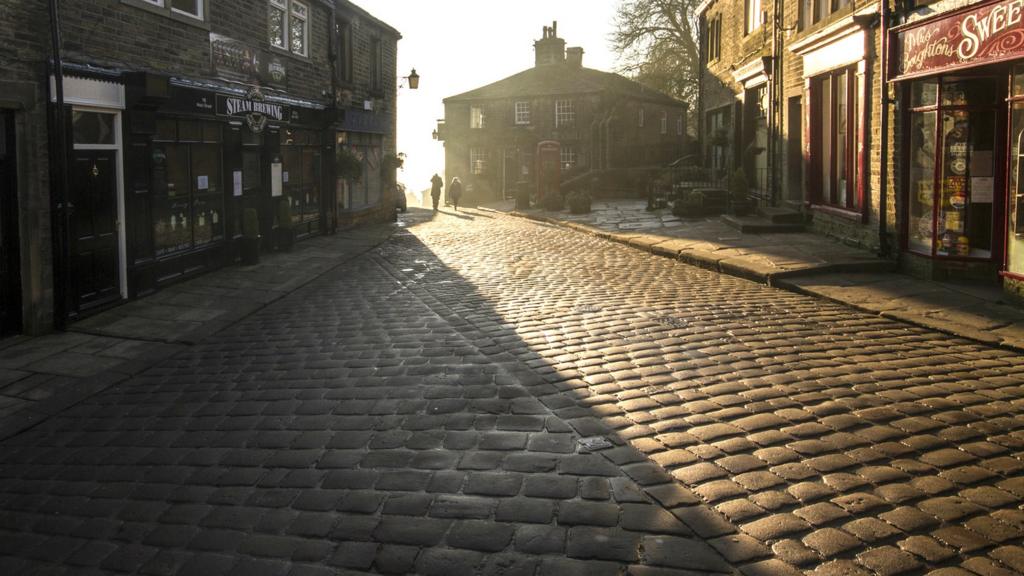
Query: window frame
478, 160
714, 38
477, 117
165, 8
825, 164
664, 122
521, 112
567, 157
753, 16
640, 117
288, 15
565, 112
343, 52
376, 65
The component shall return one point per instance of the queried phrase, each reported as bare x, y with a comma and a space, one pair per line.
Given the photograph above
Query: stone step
779, 215
760, 225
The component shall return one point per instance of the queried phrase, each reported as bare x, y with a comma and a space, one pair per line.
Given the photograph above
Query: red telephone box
549, 168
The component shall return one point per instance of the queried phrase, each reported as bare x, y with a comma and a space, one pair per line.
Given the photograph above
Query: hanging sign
983, 34
253, 107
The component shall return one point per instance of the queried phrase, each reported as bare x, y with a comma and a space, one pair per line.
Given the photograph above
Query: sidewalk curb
86, 387
780, 280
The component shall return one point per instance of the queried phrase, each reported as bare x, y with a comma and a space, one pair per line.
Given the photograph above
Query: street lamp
413, 78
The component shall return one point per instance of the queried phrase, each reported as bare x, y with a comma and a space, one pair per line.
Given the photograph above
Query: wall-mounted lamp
434, 134
413, 79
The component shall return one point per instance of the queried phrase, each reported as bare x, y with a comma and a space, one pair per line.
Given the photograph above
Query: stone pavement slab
42, 375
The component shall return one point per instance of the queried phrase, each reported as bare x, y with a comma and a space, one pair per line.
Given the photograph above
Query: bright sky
459, 45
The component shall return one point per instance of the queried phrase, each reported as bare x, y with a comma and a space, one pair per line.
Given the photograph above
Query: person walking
435, 189
455, 191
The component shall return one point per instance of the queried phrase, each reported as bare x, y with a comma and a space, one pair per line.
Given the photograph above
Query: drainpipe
58, 178
883, 103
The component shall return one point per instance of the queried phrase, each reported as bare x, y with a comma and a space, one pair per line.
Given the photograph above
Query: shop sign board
981, 34
253, 107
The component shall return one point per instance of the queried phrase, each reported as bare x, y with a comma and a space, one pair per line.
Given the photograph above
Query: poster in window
236, 179
275, 179
203, 183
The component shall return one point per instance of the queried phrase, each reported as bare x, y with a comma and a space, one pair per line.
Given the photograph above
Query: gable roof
558, 79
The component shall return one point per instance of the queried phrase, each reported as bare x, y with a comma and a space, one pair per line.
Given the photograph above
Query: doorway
96, 211
10, 267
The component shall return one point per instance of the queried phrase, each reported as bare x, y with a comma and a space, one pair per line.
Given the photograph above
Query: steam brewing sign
253, 107
991, 32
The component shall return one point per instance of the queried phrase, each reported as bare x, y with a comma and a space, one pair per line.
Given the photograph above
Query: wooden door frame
118, 148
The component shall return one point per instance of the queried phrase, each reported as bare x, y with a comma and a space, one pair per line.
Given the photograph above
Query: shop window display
188, 202
302, 164
952, 167
1015, 215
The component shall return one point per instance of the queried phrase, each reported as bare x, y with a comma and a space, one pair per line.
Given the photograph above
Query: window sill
284, 52
844, 213
202, 23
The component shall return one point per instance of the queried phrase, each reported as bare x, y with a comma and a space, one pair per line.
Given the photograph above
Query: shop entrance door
10, 269
94, 228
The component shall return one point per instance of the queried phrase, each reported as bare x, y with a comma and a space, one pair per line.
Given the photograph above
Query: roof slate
558, 79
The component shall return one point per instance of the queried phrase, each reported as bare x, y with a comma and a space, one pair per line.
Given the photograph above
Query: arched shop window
188, 200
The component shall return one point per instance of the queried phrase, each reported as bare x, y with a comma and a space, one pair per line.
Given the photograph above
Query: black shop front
199, 154
960, 81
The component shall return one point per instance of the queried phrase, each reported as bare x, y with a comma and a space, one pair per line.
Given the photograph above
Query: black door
10, 269
94, 246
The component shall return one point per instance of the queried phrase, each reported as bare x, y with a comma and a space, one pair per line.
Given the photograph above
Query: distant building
602, 121
179, 117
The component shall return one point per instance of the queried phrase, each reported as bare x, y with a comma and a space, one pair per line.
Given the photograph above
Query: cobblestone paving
356, 426
822, 438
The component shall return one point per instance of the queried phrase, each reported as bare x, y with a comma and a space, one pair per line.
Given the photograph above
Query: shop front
200, 154
960, 79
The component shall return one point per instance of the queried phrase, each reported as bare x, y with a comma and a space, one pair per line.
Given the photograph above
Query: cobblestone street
418, 409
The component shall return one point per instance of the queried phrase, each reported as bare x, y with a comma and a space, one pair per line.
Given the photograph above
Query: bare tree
657, 42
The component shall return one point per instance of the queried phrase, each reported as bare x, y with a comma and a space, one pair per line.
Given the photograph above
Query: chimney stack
574, 56
550, 49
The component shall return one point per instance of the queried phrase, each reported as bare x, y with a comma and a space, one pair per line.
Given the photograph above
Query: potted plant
739, 193
579, 202
249, 243
552, 201
348, 165
284, 233
689, 205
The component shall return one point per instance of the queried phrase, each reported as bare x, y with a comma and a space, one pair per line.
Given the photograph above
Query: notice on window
203, 182
285, 177
275, 179
236, 178
982, 190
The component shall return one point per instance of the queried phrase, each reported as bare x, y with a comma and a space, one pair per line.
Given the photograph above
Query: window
754, 16
640, 116
190, 9
679, 125
188, 202
477, 119
814, 11
714, 38
717, 137
477, 160
300, 155
664, 122
376, 65
565, 114
522, 112
344, 55
288, 22
567, 156
835, 131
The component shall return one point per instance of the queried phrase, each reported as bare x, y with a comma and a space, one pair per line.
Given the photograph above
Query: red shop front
960, 77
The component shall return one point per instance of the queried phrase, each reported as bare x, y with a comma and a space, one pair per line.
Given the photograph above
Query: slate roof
558, 79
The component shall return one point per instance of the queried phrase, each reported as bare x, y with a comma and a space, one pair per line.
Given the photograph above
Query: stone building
182, 114
906, 146
602, 123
